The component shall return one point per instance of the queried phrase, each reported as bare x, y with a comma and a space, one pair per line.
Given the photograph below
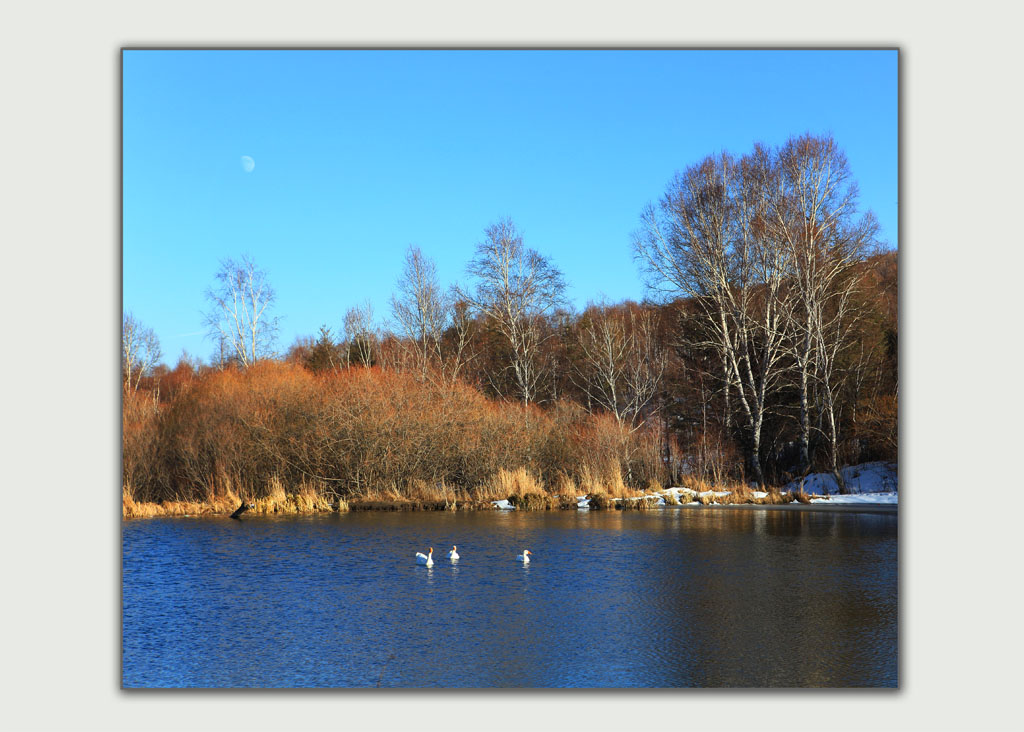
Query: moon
248, 163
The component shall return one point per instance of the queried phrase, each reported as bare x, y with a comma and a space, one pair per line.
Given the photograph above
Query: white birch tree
361, 336
516, 288
812, 210
140, 351
239, 318
621, 363
425, 314
706, 241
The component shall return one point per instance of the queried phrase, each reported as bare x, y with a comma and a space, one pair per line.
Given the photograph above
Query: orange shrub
263, 433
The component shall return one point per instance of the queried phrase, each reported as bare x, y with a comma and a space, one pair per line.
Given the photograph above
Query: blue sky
359, 154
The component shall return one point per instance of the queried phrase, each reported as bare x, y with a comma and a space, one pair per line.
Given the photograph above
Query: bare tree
140, 351
435, 324
621, 363
421, 309
706, 240
812, 209
361, 336
457, 344
515, 288
619, 366
239, 317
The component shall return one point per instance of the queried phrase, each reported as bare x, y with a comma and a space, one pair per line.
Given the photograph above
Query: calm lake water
670, 598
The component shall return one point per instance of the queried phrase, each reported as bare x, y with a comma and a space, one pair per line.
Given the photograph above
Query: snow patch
860, 499
878, 477
683, 495
716, 494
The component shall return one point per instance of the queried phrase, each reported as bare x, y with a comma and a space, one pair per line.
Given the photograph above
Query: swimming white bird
427, 559
453, 554
524, 557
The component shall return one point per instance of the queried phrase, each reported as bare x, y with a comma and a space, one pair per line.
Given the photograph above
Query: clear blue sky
359, 154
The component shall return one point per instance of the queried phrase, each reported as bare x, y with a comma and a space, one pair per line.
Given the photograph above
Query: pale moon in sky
248, 163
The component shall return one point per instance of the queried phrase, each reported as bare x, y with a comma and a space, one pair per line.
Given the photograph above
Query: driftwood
242, 509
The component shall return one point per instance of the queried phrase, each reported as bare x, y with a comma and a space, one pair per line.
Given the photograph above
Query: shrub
533, 501
567, 503
644, 503
369, 435
601, 501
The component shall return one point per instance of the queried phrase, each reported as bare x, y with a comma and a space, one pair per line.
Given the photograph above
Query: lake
680, 597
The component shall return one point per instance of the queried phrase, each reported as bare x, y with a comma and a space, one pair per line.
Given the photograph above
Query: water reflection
668, 598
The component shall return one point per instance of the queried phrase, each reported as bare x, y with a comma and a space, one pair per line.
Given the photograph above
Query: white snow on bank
683, 495
868, 483
716, 494
880, 477
860, 499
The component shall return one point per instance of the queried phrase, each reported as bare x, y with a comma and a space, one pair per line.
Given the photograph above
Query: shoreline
840, 507
205, 511
873, 489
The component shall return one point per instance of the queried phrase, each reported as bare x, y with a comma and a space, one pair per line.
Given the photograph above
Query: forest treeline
767, 350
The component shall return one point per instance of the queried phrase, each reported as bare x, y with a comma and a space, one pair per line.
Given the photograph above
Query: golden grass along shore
520, 488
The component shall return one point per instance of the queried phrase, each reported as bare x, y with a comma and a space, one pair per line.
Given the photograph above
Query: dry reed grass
485, 493
699, 485
565, 486
606, 480
406, 505
516, 482
383, 492
527, 494
275, 500
308, 498
225, 502
523, 490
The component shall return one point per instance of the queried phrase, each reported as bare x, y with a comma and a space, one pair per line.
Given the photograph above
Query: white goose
425, 559
524, 557
453, 555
